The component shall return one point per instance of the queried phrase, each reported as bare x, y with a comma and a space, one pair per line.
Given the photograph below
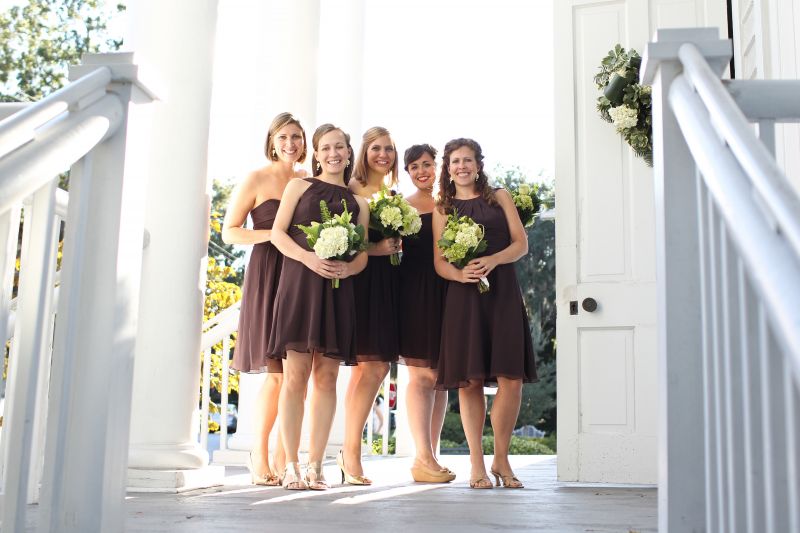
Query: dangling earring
319, 167
347, 163
274, 152
477, 176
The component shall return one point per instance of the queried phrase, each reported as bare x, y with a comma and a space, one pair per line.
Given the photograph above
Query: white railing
218, 329
67, 400
729, 292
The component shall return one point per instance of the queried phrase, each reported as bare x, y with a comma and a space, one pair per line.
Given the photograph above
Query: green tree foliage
537, 278
224, 254
40, 39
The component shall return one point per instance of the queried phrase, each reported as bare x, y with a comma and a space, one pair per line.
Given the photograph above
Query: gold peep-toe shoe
292, 479
314, 478
509, 482
270, 480
423, 474
350, 478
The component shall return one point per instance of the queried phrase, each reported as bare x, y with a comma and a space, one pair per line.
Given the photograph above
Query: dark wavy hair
415, 152
447, 189
283, 120
322, 130
361, 169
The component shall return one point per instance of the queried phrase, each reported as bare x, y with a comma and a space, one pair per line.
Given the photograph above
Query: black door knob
589, 304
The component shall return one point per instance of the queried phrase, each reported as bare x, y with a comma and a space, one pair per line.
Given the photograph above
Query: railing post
83, 484
681, 460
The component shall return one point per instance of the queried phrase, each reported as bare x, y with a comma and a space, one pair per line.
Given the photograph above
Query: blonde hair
361, 170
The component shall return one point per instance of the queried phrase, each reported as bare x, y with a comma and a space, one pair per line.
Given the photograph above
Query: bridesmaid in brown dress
376, 291
485, 337
421, 301
313, 326
259, 194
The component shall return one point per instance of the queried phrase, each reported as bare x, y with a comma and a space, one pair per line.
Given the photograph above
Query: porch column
175, 40
338, 92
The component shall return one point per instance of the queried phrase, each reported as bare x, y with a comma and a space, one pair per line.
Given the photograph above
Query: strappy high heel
291, 478
509, 482
270, 480
350, 478
314, 478
482, 482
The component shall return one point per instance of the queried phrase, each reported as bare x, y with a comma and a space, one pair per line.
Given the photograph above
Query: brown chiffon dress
309, 314
258, 295
422, 293
485, 336
377, 290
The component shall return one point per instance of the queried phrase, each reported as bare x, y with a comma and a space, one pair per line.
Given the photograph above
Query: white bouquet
336, 237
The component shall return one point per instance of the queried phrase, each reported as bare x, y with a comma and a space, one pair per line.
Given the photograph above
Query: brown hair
281, 121
447, 189
323, 130
370, 136
415, 152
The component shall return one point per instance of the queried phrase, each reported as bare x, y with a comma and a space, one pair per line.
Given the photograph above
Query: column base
175, 481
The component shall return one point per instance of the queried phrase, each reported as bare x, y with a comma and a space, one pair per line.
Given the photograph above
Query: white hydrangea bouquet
625, 102
393, 216
336, 237
462, 241
526, 201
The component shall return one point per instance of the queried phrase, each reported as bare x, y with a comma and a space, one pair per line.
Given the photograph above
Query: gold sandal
269, 480
423, 474
481, 483
314, 478
350, 478
509, 482
292, 479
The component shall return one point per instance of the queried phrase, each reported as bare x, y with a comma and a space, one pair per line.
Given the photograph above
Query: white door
605, 248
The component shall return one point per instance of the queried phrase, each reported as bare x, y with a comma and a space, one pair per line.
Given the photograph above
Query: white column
241, 442
341, 62
338, 91
175, 40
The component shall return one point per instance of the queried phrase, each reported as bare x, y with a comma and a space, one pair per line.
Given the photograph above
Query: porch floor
396, 503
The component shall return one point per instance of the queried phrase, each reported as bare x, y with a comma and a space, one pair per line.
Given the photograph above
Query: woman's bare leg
361, 392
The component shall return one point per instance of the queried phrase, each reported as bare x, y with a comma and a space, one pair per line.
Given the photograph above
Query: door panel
605, 249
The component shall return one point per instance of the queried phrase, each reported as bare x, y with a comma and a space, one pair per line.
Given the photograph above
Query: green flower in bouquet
624, 102
336, 237
462, 241
527, 203
394, 217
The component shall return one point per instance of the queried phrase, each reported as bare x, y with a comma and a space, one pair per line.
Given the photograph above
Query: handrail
20, 128
757, 162
776, 279
70, 137
219, 326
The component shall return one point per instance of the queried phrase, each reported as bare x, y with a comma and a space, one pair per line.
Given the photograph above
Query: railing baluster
751, 405
732, 380
704, 245
773, 413
766, 133
43, 382
30, 344
205, 398
792, 403
715, 420
223, 417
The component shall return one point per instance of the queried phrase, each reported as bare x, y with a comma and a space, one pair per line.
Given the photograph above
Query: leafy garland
625, 102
